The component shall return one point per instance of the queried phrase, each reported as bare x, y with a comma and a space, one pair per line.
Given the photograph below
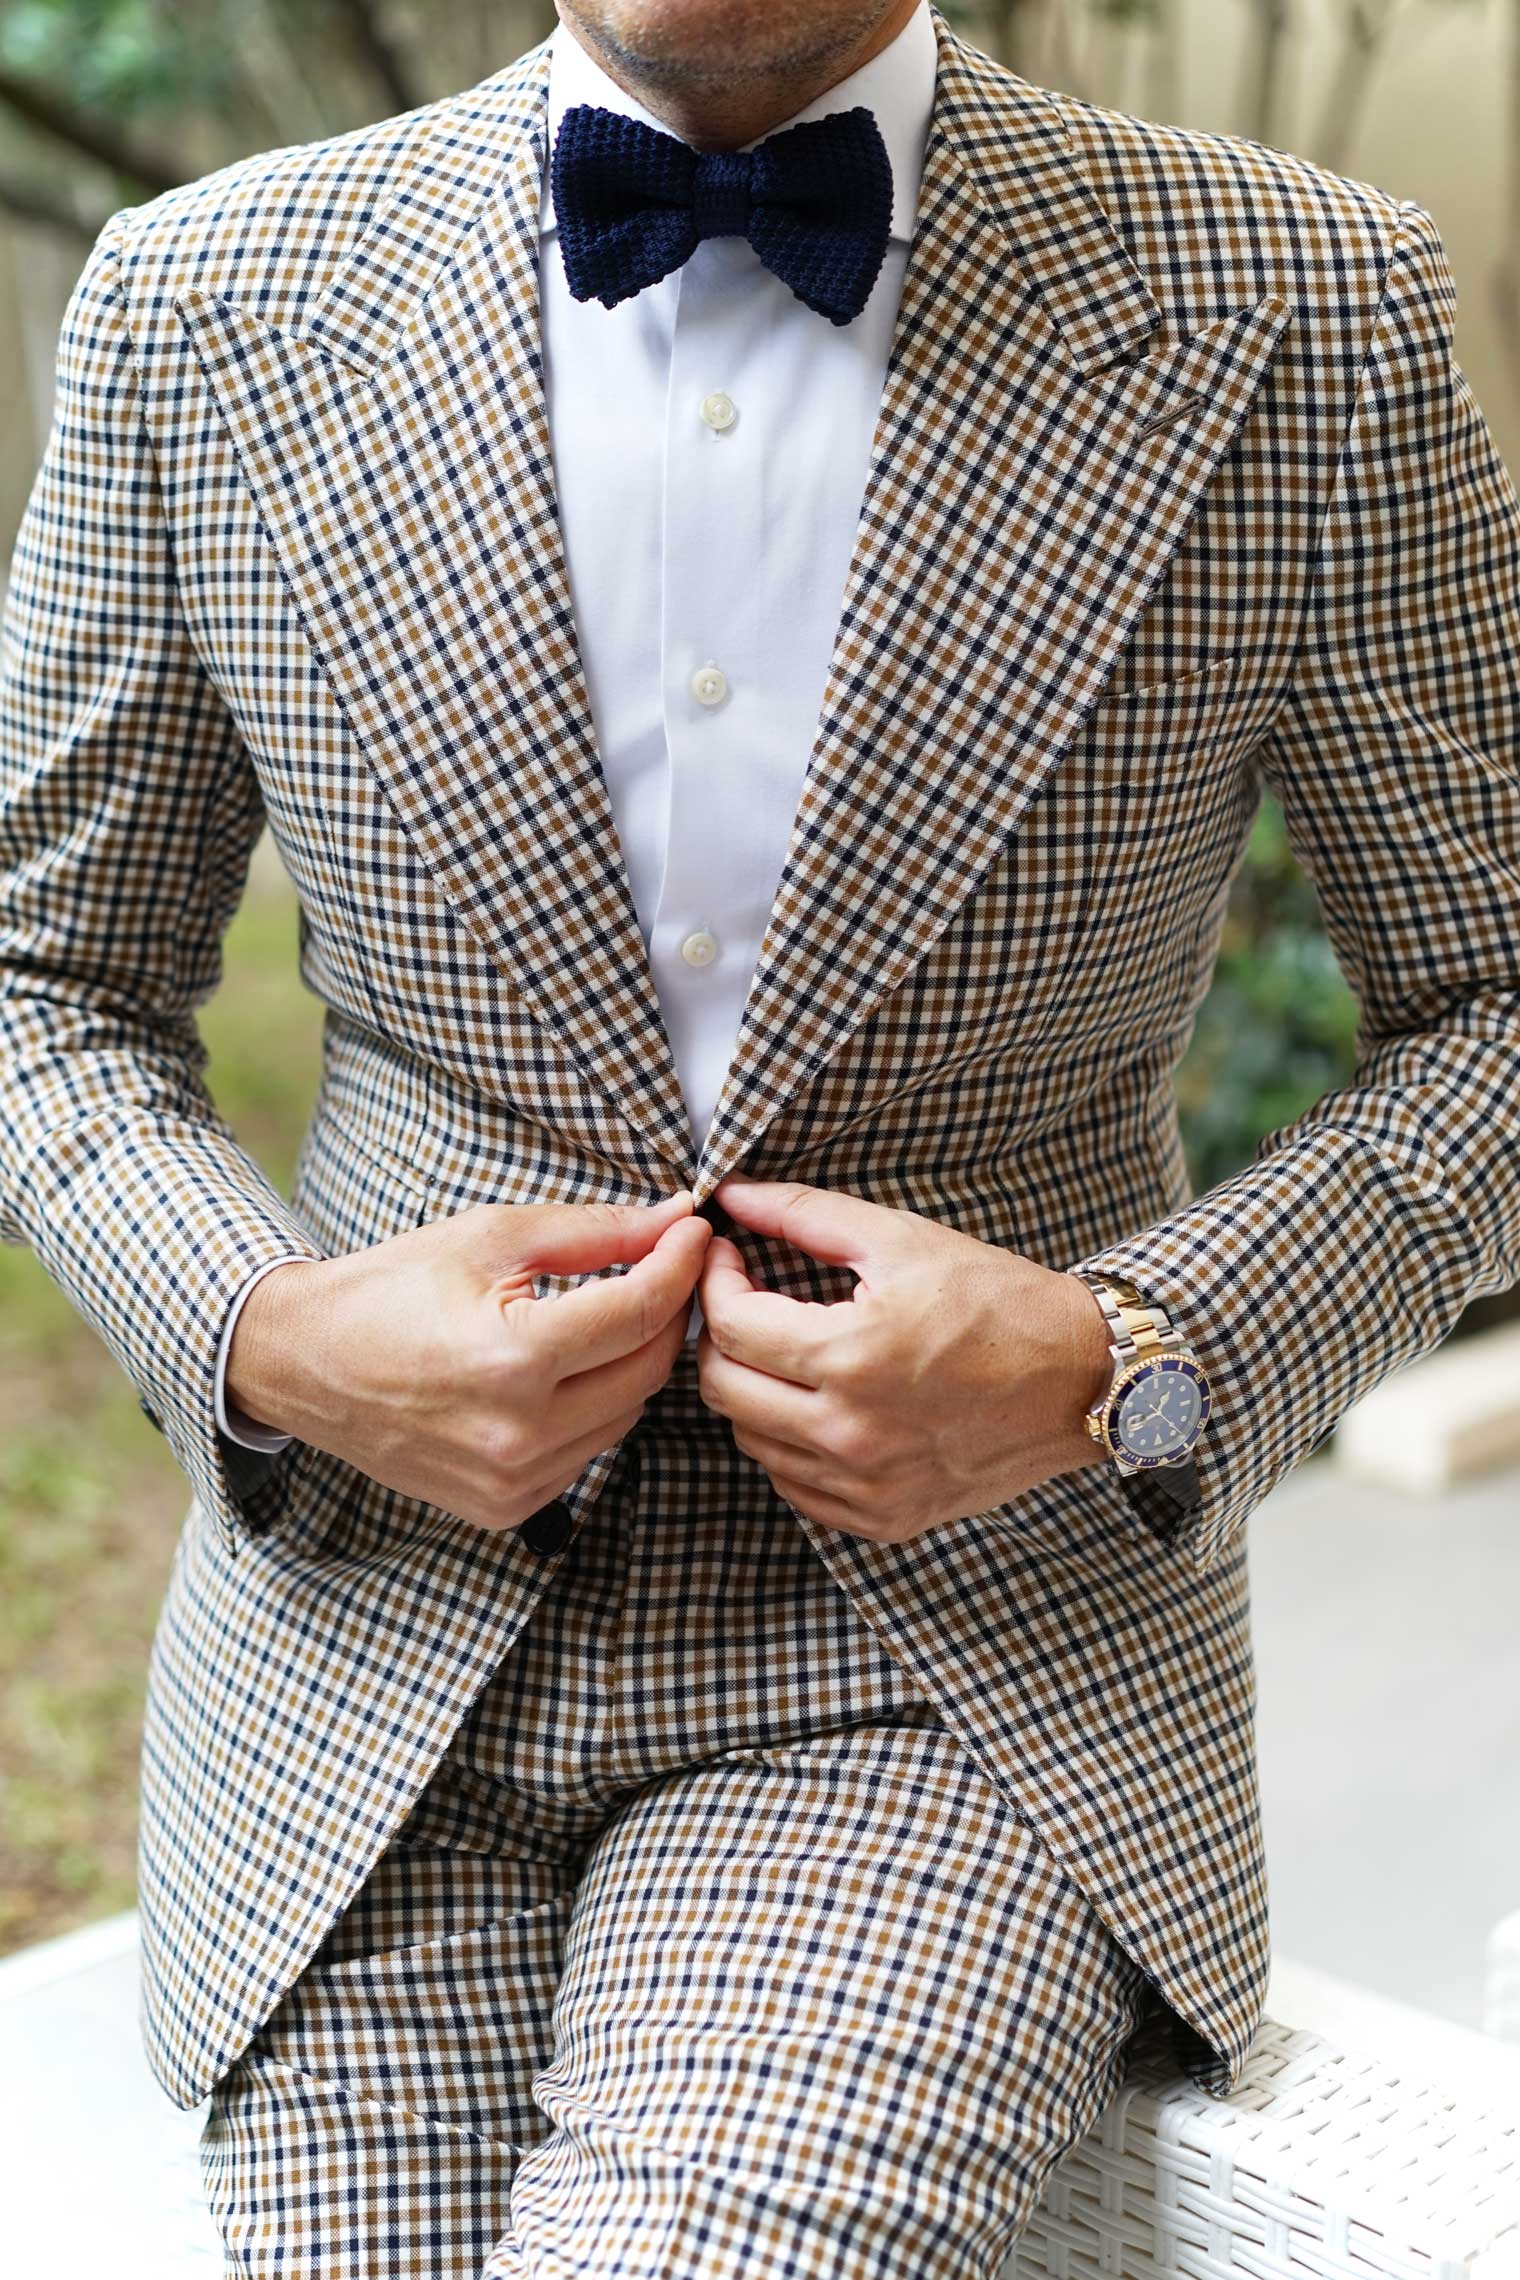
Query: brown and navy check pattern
707, 1951
1176, 488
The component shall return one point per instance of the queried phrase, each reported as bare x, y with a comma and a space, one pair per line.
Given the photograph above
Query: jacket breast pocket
1197, 709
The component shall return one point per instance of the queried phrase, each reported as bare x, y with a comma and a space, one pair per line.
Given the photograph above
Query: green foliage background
1278, 1027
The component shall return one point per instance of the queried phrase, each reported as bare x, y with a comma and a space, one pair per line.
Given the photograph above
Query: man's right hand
428, 1362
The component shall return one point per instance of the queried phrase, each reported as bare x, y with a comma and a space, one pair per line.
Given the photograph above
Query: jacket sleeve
128, 813
1361, 1230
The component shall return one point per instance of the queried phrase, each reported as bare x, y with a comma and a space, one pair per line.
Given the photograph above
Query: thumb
573, 1238
827, 1223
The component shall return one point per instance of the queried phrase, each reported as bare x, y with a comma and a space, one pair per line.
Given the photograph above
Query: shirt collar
897, 84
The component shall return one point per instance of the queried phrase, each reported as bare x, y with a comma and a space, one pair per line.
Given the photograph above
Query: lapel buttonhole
1191, 400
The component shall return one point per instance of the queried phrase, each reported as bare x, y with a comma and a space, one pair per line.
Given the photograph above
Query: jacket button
151, 1415
548, 1529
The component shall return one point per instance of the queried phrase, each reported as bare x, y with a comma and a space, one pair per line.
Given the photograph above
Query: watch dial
1158, 1414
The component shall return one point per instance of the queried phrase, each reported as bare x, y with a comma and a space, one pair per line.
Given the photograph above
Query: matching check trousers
707, 1950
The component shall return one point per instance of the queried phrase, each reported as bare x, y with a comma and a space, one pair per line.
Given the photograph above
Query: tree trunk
1365, 26
1163, 63
373, 43
1261, 76
91, 138
1063, 68
1506, 275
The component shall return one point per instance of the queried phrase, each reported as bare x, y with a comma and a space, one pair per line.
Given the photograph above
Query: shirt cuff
229, 1418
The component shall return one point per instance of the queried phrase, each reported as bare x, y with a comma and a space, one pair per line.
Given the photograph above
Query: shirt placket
711, 587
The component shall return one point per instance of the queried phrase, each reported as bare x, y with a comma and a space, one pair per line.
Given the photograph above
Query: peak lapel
397, 448
1028, 487
1031, 477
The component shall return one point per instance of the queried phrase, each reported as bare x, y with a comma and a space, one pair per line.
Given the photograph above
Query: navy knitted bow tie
814, 200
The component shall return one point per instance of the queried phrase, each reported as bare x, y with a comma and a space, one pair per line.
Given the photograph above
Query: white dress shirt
711, 438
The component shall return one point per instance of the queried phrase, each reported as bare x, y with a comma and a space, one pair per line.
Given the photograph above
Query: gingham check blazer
1175, 487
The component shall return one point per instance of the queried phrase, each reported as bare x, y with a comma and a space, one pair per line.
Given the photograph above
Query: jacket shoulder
1216, 220
267, 230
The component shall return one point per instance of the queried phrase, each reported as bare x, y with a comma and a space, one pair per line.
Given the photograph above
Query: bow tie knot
814, 200
721, 193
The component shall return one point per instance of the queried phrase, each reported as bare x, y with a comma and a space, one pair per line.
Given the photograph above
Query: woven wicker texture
1319, 2163
1316, 2165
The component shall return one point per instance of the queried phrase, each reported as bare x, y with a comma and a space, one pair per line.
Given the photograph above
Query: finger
820, 1474
575, 1238
828, 1223
613, 1314
724, 1274
829, 1511
582, 1397
765, 1329
565, 1464
760, 1403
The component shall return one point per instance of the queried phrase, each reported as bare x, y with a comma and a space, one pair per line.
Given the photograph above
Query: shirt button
708, 685
700, 948
718, 410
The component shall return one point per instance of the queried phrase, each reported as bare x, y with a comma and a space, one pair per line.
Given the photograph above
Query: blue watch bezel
1146, 1366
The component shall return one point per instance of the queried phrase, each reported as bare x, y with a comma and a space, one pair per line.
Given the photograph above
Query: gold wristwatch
1157, 1403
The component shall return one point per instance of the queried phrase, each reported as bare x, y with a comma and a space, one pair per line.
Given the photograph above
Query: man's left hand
954, 1377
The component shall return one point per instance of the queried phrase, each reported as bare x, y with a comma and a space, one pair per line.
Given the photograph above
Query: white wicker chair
1320, 2166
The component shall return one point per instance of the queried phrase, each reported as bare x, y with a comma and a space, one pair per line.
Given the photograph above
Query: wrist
1156, 1403
1090, 1365
1093, 1358
272, 1337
